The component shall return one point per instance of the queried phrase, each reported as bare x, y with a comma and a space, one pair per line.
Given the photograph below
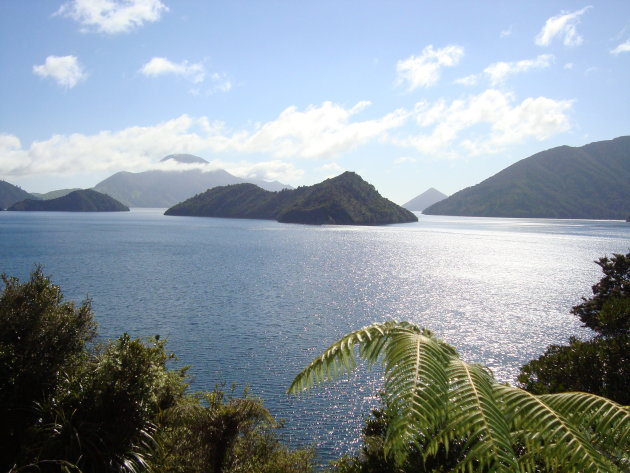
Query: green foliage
42, 341
592, 181
344, 200
67, 406
436, 400
219, 433
599, 366
372, 459
608, 311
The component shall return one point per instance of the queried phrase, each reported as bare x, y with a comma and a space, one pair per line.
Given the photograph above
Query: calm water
253, 302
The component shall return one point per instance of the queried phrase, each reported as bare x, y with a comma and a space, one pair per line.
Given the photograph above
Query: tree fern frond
474, 414
548, 433
595, 412
416, 386
339, 357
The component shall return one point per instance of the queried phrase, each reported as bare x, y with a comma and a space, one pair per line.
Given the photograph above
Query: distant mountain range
343, 200
589, 182
53, 194
166, 188
10, 194
77, 201
424, 200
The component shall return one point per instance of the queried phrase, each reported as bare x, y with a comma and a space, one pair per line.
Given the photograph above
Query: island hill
77, 201
343, 200
588, 182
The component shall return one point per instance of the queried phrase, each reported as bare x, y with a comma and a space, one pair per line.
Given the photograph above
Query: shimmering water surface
253, 302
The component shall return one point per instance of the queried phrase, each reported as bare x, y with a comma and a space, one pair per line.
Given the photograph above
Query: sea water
252, 302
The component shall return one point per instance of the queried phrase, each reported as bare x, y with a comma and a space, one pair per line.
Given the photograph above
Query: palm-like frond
550, 434
435, 398
475, 415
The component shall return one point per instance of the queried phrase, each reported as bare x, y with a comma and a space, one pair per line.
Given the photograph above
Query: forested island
85, 200
343, 200
589, 182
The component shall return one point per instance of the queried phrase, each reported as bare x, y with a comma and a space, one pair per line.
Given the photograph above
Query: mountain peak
184, 158
424, 200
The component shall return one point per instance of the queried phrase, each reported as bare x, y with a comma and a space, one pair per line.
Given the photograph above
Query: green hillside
78, 201
10, 194
589, 182
344, 200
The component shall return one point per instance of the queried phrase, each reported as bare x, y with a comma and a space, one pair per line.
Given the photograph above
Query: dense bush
68, 405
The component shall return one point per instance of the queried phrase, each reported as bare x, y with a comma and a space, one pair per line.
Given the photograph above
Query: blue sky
409, 94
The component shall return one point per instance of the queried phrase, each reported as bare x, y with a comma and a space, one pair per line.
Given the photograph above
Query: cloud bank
453, 127
479, 124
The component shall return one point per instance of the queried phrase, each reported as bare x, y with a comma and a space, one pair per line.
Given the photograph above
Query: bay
252, 302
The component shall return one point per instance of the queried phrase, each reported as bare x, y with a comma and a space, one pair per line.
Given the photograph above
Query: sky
408, 94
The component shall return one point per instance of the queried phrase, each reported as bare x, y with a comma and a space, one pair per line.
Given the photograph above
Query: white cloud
158, 66
318, 132
112, 16
622, 48
506, 33
455, 127
568, 66
65, 70
563, 25
498, 71
424, 70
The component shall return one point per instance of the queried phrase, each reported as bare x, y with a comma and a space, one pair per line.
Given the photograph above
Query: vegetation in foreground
69, 405
442, 414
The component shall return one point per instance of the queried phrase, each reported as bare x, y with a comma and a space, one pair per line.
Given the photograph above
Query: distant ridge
86, 200
54, 194
166, 188
589, 182
343, 200
424, 200
10, 194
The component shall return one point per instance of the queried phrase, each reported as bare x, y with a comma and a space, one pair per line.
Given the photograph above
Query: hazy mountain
424, 200
166, 188
86, 200
54, 194
590, 182
10, 194
343, 200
